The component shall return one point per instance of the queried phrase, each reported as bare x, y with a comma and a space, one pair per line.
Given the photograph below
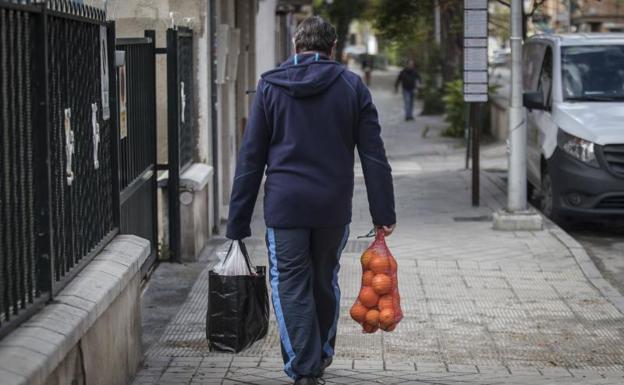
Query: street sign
475, 51
475, 80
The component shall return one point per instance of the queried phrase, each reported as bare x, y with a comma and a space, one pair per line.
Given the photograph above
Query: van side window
532, 63
546, 76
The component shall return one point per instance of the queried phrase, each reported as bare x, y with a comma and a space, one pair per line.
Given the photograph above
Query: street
481, 306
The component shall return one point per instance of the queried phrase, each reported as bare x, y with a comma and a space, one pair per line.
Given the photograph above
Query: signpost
475, 77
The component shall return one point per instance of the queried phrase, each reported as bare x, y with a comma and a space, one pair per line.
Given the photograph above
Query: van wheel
548, 198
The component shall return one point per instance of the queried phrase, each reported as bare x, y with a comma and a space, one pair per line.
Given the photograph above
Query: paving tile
481, 307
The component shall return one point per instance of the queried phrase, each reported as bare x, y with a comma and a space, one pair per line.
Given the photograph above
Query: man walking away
368, 63
409, 80
307, 118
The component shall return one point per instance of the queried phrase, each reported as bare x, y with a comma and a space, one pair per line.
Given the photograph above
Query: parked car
574, 95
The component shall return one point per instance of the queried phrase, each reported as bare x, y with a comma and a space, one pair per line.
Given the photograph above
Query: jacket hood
305, 75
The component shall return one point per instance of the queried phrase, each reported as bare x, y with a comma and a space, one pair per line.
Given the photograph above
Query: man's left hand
388, 230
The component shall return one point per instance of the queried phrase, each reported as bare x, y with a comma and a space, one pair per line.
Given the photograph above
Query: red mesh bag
378, 305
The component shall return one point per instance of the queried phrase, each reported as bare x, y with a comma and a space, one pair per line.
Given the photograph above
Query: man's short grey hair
315, 34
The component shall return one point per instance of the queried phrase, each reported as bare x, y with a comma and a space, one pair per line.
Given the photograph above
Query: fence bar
173, 117
114, 123
151, 35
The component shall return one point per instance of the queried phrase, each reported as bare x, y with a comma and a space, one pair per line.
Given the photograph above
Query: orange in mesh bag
378, 305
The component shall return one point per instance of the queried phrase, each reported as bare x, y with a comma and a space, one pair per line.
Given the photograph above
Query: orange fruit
386, 302
366, 258
379, 265
382, 284
358, 312
390, 328
372, 317
393, 264
367, 278
386, 318
369, 328
368, 297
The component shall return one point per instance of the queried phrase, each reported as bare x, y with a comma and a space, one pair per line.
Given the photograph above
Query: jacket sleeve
252, 158
377, 171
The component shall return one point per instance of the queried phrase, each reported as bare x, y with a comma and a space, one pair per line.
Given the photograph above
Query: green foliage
341, 13
409, 26
431, 92
455, 107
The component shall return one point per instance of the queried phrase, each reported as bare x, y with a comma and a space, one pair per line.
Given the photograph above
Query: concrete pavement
481, 307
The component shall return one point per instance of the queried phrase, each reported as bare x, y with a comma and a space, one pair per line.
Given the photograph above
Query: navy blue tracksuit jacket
305, 122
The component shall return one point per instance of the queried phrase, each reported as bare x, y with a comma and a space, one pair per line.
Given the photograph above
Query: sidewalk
481, 307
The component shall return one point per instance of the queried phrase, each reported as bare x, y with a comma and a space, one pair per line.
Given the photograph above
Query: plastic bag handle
243, 248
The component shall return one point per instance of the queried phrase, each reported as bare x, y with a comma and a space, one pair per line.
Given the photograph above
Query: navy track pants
304, 265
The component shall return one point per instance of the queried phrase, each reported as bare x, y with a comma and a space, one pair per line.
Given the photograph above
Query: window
533, 57
545, 79
593, 73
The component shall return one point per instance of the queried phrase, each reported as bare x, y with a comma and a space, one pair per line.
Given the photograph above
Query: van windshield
593, 73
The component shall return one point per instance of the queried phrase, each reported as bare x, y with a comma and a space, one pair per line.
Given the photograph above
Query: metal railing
188, 134
181, 134
137, 121
58, 144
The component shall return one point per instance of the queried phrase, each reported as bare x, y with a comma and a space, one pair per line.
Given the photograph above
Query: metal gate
59, 192
137, 140
182, 136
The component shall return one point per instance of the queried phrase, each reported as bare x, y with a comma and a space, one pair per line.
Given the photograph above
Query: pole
516, 186
438, 23
467, 133
438, 35
475, 115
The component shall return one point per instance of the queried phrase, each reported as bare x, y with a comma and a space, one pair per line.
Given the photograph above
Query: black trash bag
238, 308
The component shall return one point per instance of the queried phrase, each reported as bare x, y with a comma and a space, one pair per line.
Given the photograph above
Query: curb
587, 266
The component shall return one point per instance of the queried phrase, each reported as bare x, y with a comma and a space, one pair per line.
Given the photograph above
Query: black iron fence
78, 144
137, 126
59, 173
182, 137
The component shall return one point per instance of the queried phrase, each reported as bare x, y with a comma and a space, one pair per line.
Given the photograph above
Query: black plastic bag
238, 308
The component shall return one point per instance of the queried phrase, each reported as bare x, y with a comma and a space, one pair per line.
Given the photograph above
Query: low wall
196, 211
91, 333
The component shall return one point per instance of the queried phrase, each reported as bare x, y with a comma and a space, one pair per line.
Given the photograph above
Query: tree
535, 5
341, 13
410, 26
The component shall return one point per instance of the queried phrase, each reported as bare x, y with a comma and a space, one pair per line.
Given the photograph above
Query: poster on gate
104, 72
123, 100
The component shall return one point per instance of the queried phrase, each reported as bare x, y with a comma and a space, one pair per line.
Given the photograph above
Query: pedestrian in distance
307, 118
368, 63
409, 79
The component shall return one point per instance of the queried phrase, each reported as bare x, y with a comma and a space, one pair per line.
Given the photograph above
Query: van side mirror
533, 100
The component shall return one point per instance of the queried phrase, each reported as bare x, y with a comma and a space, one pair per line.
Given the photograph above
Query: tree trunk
342, 29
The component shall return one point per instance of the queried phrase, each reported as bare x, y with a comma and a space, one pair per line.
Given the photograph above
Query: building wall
599, 16
265, 36
587, 16
132, 17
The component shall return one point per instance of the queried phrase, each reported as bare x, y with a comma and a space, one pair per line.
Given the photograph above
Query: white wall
265, 36
132, 17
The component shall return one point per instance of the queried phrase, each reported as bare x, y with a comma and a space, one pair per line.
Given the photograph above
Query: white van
574, 98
